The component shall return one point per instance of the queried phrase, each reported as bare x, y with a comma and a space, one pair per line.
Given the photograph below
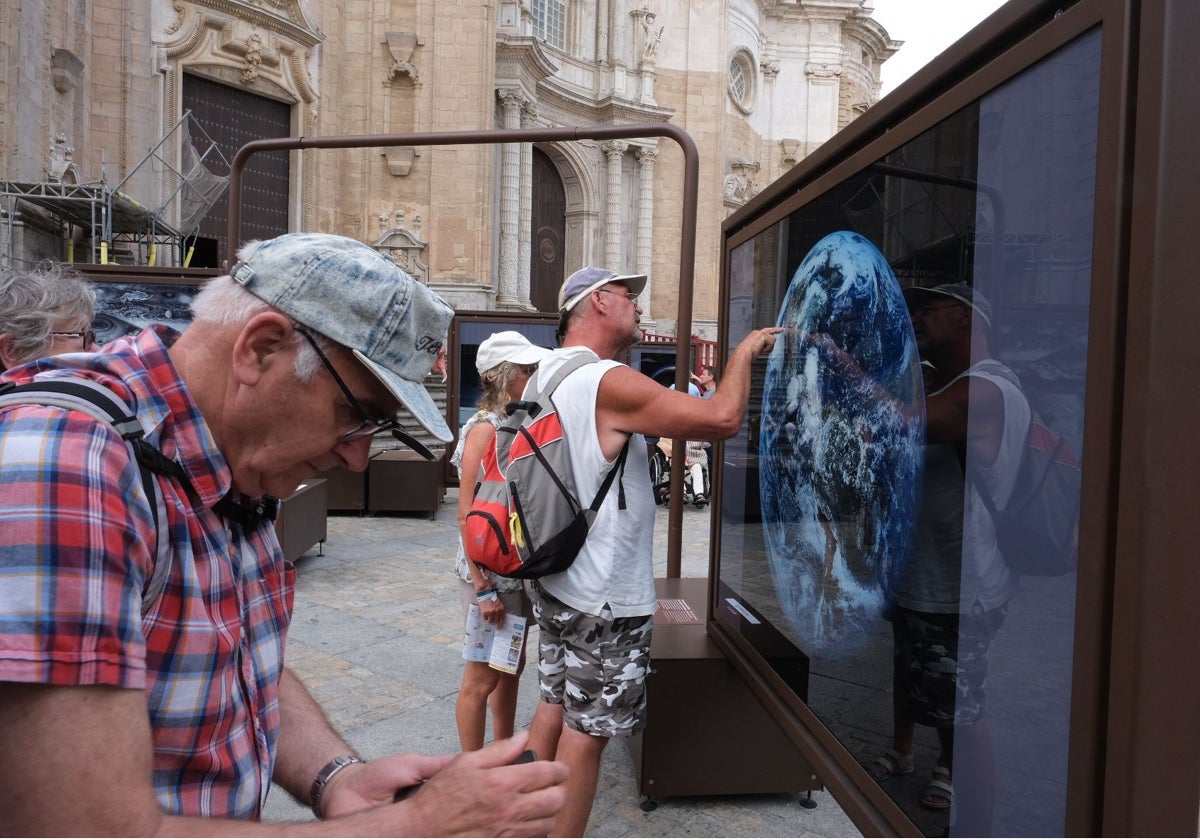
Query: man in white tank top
953, 594
594, 618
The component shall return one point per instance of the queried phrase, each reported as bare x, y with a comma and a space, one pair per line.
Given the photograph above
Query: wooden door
548, 234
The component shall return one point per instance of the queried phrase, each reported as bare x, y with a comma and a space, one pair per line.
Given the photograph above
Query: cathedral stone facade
90, 87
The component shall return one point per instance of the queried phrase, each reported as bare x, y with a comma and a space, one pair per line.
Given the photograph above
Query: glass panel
473, 333
737, 80
550, 22
862, 524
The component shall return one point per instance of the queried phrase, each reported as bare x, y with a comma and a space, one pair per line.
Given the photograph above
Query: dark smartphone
526, 757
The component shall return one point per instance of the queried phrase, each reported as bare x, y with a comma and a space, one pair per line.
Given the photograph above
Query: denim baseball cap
586, 280
960, 292
353, 295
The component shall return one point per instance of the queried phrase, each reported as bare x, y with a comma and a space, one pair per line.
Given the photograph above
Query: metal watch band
328, 772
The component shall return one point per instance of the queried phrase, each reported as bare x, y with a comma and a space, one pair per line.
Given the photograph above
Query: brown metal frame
1134, 748
687, 248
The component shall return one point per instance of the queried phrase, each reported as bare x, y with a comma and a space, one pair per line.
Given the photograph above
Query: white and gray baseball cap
353, 295
586, 280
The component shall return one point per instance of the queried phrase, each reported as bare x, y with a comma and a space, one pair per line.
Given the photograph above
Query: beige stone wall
333, 63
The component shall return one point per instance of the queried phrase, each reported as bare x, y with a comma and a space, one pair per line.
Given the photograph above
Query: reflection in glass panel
473, 333
935, 647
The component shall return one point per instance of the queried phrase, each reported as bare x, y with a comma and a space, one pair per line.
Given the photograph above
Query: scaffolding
115, 225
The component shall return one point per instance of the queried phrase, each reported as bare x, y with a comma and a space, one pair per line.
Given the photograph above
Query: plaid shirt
77, 547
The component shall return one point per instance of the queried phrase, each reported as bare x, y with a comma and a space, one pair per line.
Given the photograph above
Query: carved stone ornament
404, 247
65, 68
401, 46
61, 157
400, 159
790, 151
739, 186
822, 71
253, 59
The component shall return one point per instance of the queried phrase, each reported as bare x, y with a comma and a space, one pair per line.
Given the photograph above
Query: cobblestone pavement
377, 636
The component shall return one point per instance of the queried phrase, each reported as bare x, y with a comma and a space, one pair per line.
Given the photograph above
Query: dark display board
830, 499
467, 331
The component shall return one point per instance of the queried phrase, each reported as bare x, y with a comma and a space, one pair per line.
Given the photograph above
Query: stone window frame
743, 80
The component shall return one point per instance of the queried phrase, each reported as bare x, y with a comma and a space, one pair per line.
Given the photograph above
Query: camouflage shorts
594, 667
941, 663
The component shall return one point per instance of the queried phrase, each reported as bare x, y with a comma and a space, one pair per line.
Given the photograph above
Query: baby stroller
660, 473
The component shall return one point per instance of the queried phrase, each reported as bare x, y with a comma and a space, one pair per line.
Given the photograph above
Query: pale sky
926, 27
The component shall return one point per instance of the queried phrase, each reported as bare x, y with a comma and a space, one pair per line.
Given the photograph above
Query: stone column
770, 72
645, 235
529, 114
617, 45
602, 32
508, 287
615, 150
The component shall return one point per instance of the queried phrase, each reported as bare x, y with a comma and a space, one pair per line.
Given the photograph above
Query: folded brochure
500, 647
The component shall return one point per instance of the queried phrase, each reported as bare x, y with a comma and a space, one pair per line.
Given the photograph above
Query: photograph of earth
840, 445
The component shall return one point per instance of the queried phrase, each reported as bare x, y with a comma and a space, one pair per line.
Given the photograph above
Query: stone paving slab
376, 637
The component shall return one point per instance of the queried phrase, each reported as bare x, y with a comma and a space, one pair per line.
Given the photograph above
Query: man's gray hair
224, 302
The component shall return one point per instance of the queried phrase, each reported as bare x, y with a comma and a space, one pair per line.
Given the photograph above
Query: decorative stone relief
61, 157
822, 71
403, 246
401, 46
253, 58
790, 151
740, 185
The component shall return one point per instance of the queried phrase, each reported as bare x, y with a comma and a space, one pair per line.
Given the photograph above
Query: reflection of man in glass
952, 595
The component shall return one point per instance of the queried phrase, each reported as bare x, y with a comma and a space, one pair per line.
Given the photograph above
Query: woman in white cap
505, 361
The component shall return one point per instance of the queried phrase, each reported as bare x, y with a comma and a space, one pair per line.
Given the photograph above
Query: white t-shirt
615, 568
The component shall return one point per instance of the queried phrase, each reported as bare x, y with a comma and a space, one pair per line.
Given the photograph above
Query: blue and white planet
841, 444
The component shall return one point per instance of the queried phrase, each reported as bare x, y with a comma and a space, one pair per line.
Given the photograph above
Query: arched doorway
548, 234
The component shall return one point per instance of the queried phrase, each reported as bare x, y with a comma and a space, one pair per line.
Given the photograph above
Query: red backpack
526, 520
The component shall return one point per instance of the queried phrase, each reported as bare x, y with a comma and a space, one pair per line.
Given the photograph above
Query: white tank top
615, 569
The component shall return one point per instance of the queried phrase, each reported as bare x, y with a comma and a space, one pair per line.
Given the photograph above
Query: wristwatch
328, 772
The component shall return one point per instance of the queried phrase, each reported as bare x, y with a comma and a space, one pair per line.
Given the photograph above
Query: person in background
505, 361
594, 619
44, 311
695, 463
707, 380
173, 717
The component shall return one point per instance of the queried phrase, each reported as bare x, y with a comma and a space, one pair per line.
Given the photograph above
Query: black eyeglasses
631, 296
89, 337
367, 425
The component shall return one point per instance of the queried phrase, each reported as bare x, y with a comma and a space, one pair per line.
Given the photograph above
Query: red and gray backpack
526, 520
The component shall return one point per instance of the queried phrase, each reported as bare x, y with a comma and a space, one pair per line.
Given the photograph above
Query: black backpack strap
617, 467
533, 408
104, 406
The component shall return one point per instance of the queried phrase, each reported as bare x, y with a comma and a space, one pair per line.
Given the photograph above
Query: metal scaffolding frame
112, 220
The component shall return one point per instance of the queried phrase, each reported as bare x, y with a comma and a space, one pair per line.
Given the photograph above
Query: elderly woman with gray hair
44, 311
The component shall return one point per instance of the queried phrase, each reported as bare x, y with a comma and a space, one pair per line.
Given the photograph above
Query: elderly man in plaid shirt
173, 716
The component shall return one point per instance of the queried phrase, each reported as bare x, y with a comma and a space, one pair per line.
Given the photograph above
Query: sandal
891, 763
939, 795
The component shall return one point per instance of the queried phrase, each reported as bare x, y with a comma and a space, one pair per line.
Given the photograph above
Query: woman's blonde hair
495, 384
